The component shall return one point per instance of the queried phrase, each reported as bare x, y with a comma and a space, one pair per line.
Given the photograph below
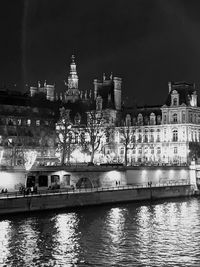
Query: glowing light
11, 180
30, 158
1, 156
78, 156
114, 176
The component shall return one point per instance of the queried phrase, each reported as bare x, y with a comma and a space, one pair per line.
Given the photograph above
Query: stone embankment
46, 200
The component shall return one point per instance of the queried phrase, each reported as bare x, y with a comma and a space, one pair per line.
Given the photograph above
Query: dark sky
146, 42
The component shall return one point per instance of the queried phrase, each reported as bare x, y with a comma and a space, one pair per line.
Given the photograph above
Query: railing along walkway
87, 190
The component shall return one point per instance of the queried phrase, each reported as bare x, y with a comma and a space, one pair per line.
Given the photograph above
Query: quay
57, 199
68, 187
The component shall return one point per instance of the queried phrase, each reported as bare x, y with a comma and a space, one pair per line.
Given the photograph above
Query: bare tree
65, 134
16, 140
94, 132
126, 139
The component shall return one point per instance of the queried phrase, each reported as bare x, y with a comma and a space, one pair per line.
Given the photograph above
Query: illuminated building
156, 135
162, 135
26, 125
159, 134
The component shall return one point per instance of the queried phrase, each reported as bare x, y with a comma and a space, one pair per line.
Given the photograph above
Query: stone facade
150, 135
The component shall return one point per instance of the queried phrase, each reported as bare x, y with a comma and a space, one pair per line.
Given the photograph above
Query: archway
84, 182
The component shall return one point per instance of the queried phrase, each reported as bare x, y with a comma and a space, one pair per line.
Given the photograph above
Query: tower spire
72, 93
73, 77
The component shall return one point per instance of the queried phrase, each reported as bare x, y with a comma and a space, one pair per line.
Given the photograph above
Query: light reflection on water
160, 234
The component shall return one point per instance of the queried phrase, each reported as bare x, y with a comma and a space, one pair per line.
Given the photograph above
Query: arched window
152, 119
140, 119
175, 136
175, 117
158, 119
175, 101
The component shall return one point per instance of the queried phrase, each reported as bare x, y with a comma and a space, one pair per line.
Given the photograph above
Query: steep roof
106, 90
184, 89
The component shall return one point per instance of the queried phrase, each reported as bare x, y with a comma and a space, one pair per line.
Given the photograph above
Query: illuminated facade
153, 135
157, 134
162, 135
26, 125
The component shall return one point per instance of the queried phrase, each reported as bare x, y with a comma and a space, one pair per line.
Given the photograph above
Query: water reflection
166, 233
4, 240
160, 234
115, 226
67, 246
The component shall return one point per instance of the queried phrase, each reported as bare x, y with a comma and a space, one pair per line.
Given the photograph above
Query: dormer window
128, 120
77, 119
152, 119
99, 102
140, 119
193, 99
174, 98
175, 102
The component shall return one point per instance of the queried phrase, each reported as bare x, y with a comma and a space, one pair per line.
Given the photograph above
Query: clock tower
72, 93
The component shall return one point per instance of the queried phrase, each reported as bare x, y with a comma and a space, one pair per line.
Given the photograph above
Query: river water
164, 233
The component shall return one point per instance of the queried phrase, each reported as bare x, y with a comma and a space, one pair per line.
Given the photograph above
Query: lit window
128, 120
175, 136
28, 122
175, 102
37, 122
174, 117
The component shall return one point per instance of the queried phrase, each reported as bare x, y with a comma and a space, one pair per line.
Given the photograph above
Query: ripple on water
160, 234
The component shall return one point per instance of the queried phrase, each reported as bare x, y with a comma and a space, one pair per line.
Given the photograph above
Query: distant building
26, 124
152, 135
164, 135
159, 134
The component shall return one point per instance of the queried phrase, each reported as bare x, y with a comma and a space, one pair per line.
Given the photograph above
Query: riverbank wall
99, 176
83, 197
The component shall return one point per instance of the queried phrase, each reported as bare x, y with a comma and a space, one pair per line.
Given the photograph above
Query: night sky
146, 42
